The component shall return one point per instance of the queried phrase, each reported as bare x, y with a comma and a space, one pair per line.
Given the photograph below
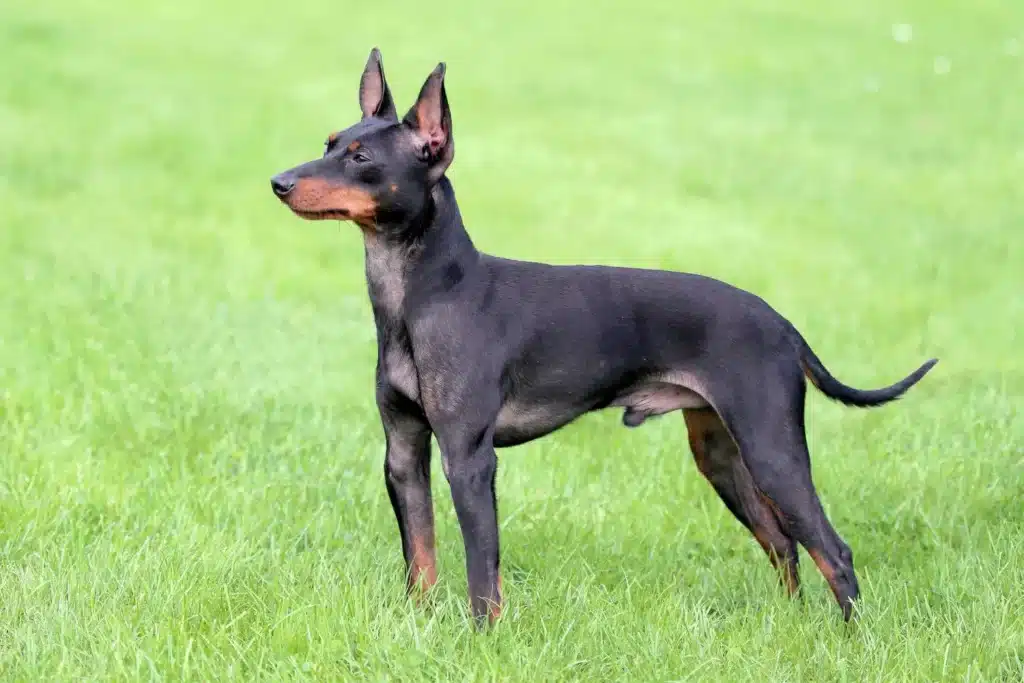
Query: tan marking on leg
731, 479
423, 568
494, 608
772, 517
827, 570
790, 582
699, 423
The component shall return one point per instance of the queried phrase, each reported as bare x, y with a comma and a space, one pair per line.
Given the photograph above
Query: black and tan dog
485, 352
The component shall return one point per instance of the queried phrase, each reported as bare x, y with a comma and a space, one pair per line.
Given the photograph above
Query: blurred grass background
191, 481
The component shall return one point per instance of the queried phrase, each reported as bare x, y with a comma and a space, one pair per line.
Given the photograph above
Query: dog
486, 352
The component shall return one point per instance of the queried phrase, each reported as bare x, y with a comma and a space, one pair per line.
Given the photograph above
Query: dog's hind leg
718, 459
770, 434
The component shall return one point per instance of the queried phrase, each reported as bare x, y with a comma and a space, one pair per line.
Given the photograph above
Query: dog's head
381, 170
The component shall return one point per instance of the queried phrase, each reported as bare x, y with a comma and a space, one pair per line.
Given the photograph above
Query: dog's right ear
431, 121
374, 94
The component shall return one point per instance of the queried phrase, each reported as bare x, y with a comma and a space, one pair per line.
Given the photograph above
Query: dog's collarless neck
424, 251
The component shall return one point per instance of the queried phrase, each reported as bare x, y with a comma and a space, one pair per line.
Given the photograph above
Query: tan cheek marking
336, 202
394, 187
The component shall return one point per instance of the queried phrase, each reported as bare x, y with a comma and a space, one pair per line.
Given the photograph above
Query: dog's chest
400, 372
386, 267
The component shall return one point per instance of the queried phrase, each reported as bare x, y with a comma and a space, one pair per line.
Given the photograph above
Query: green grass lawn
191, 478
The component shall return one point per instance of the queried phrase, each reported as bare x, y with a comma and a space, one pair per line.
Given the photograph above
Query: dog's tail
821, 378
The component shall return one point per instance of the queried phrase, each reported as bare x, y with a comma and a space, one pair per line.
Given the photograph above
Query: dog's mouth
364, 222
316, 199
323, 215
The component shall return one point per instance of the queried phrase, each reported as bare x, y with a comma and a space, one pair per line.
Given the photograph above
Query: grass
191, 485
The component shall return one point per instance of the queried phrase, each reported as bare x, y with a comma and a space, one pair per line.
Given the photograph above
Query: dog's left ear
374, 94
431, 121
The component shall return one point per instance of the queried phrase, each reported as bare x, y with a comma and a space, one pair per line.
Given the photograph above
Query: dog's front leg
471, 464
407, 475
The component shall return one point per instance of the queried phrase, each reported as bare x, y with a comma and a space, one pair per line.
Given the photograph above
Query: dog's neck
430, 252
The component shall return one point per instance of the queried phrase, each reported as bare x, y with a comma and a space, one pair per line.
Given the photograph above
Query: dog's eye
360, 158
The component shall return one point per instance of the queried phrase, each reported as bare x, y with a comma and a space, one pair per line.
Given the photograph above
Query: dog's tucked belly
520, 421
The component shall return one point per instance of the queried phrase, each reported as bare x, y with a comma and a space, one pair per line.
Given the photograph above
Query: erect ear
374, 94
431, 120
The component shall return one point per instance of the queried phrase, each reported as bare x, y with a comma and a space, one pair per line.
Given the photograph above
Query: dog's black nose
282, 185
